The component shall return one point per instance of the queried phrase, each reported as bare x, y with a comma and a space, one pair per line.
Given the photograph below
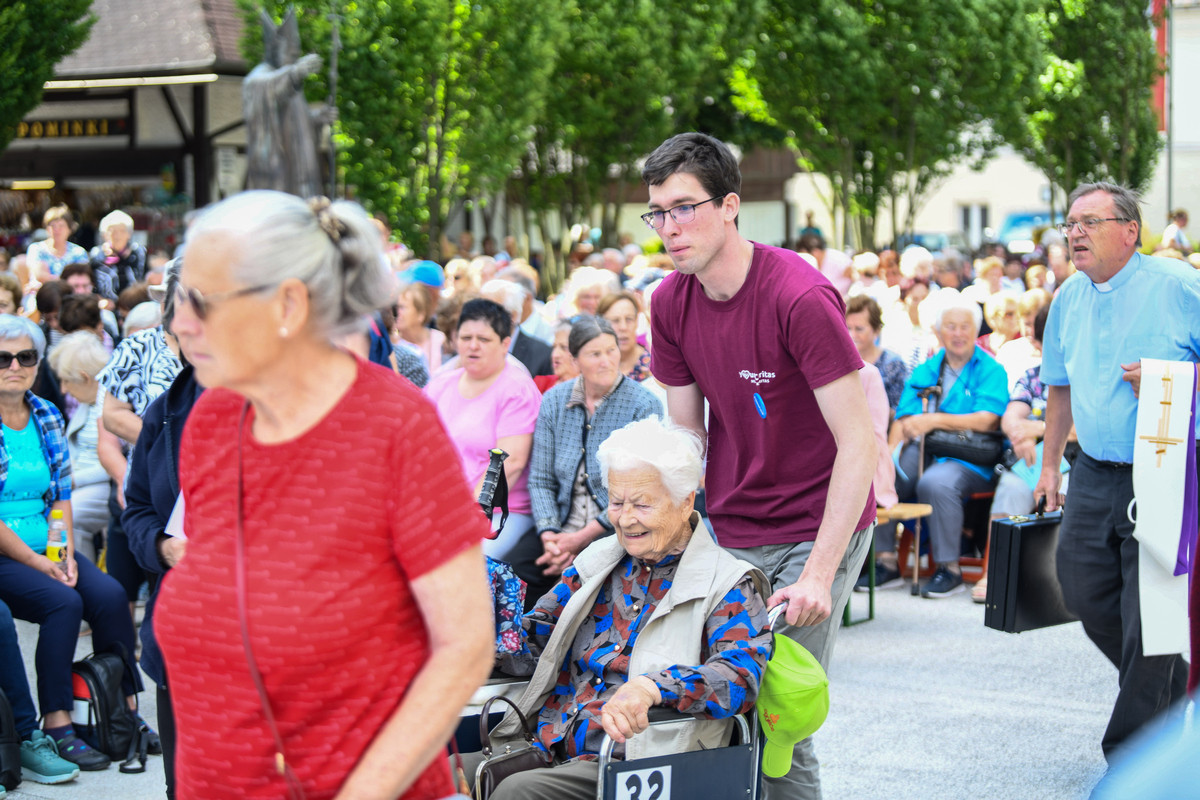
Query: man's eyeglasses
26, 358
1088, 224
201, 304
682, 214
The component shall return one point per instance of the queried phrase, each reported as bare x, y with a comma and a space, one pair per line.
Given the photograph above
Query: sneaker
79, 753
153, 743
979, 592
943, 584
41, 763
885, 578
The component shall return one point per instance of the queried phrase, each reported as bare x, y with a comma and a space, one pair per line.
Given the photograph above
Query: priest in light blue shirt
1119, 308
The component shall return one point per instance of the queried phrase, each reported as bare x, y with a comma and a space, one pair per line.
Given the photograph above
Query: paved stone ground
926, 703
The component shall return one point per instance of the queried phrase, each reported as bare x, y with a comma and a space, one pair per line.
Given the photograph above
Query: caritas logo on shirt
757, 378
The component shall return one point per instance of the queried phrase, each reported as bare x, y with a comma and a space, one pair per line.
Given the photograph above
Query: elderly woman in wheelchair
656, 615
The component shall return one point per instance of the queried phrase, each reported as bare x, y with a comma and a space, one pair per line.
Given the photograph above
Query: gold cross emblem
1161, 440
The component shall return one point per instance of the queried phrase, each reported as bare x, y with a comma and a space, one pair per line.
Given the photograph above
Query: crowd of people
220, 413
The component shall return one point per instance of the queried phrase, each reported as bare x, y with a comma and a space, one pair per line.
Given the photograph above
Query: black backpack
10, 746
101, 717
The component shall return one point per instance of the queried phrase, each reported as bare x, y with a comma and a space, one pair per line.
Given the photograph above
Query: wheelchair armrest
747, 727
663, 714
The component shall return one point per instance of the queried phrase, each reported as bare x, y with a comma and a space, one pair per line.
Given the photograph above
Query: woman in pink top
489, 401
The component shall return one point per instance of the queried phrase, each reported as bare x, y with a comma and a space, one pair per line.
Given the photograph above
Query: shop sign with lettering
73, 128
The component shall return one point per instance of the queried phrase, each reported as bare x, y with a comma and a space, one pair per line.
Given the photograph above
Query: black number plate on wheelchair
717, 774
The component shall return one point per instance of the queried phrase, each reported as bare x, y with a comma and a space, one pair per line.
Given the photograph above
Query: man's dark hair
708, 159
810, 242
1125, 201
487, 311
79, 312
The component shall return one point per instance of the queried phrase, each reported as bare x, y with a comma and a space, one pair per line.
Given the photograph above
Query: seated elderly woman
613, 656
53, 594
973, 396
570, 502
77, 361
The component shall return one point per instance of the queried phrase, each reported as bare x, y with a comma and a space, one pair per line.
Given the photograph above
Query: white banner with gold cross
1164, 436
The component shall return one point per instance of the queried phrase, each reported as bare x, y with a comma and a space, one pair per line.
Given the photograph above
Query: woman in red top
330, 615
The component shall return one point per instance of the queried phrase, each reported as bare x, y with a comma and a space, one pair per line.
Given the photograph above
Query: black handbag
974, 447
984, 449
496, 767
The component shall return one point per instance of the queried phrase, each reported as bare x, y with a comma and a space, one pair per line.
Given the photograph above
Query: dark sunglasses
201, 304
26, 358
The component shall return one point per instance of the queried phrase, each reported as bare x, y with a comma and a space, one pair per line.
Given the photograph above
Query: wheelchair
724, 773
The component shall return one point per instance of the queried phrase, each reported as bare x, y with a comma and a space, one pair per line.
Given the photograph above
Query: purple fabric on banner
1191, 515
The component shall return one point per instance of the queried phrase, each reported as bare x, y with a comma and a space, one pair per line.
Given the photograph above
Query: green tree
885, 97
436, 99
34, 37
632, 75
1091, 116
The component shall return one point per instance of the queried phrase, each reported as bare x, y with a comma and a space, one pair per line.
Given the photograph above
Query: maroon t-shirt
781, 336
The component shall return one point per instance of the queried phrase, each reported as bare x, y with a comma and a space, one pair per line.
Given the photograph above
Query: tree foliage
34, 37
632, 75
1091, 116
887, 96
435, 98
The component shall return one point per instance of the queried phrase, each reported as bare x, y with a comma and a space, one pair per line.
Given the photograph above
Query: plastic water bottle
56, 537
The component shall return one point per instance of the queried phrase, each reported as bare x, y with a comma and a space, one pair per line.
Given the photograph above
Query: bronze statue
281, 129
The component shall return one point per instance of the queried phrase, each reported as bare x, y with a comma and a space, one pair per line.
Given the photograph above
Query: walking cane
924, 394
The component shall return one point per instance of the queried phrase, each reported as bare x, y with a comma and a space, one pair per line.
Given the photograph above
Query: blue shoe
41, 763
943, 584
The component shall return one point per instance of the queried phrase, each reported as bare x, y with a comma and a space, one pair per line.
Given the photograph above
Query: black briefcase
1023, 592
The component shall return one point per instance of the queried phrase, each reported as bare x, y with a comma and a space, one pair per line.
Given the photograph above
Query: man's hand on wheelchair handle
809, 601
626, 713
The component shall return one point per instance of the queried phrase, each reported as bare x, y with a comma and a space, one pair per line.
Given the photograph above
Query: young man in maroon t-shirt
761, 335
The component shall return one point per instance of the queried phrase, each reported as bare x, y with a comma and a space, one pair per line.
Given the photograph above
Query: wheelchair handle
774, 614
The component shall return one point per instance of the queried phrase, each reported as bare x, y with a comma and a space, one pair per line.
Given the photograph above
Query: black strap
135, 756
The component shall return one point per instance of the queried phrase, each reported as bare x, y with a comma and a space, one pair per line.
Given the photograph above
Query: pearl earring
283, 332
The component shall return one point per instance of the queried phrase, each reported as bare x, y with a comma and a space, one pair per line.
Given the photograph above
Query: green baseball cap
793, 701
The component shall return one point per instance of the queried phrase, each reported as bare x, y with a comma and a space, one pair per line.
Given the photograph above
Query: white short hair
949, 300
78, 355
586, 277
673, 451
506, 293
142, 316
114, 220
913, 259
